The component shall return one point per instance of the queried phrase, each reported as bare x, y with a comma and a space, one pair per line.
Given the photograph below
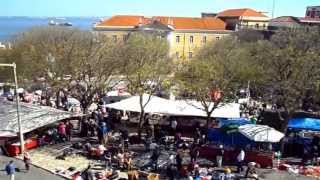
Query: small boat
55, 23
52, 23
67, 24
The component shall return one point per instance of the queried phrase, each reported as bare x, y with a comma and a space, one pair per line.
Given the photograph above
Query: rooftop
179, 23
241, 13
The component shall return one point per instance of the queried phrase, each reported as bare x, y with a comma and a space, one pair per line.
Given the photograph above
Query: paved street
33, 174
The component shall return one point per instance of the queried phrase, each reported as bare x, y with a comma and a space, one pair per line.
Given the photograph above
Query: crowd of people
113, 142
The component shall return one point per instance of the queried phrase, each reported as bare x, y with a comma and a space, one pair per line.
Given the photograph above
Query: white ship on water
59, 22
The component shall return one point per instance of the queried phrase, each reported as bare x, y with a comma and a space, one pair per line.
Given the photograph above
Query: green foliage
215, 68
289, 68
145, 63
6, 74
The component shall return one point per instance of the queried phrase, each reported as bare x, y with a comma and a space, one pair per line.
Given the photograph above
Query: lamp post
13, 65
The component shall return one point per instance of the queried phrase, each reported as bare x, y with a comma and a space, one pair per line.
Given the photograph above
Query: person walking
62, 131
154, 158
26, 160
178, 161
10, 169
69, 128
219, 157
174, 125
240, 160
194, 152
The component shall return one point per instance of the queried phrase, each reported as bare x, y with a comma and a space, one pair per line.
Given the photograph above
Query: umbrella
261, 133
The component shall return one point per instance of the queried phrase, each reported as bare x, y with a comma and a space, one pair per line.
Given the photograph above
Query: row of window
191, 38
313, 13
204, 39
115, 38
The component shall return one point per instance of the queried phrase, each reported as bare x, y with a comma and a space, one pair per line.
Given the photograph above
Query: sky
101, 8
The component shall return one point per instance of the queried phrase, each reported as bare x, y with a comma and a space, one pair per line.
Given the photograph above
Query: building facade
185, 35
237, 19
312, 17
284, 22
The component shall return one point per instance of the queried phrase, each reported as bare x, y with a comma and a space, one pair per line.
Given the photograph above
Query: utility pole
13, 65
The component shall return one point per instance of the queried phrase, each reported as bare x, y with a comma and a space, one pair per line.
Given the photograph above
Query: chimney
140, 20
170, 21
203, 15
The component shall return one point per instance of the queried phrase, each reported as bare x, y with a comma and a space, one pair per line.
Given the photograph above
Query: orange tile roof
121, 20
240, 12
207, 23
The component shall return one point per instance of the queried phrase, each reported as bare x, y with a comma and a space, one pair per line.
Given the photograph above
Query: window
218, 37
257, 26
114, 38
177, 55
204, 39
313, 13
191, 39
125, 37
177, 39
308, 13
190, 55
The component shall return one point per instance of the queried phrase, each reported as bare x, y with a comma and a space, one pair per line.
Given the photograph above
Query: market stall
261, 133
154, 104
264, 159
248, 137
32, 118
309, 124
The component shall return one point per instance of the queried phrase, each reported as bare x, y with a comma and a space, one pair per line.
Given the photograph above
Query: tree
288, 65
96, 67
5, 73
249, 35
66, 58
45, 52
146, 65
213, 76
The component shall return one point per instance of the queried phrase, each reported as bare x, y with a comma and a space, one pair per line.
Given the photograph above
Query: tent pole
18, 108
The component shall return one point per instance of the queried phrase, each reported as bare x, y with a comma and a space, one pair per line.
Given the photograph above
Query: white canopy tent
177, 108
118, 93
32, 117
154, 105
194, 108
261, 133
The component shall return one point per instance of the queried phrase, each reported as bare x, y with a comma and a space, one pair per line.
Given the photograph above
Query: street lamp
13, 65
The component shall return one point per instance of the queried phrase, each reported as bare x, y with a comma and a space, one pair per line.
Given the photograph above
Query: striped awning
261, 133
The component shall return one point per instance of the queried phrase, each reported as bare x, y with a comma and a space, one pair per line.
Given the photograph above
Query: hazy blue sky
145, 7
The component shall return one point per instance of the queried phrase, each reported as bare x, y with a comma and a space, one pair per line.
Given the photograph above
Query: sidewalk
45, 157
34, 173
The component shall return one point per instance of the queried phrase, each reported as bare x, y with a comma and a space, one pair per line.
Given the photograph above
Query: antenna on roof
273, 7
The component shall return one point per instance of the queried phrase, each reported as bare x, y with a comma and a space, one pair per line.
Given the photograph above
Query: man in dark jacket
10, 169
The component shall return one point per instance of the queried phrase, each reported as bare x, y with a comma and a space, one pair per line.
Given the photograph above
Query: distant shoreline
12, 25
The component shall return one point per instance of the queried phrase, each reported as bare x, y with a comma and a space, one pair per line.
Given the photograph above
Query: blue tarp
311, 124
232, 139
236, 121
